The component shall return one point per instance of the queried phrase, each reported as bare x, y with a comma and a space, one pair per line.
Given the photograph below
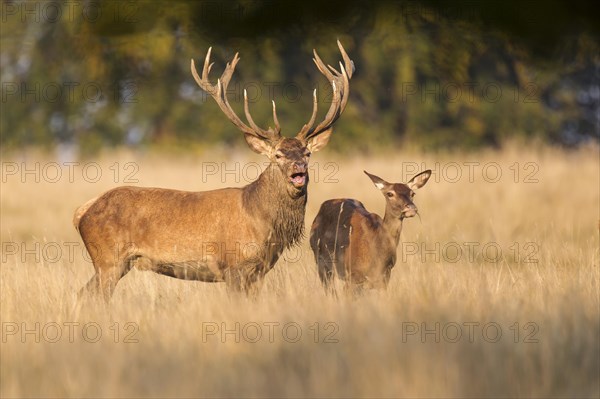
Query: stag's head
290, 155
399, 196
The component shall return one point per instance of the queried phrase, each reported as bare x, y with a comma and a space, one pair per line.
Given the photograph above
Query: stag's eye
278, 155
307, 154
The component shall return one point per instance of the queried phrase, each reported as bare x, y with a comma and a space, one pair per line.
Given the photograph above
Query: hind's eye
390, 194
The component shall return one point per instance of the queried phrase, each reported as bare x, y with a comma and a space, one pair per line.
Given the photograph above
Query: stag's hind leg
99, 286
103, 283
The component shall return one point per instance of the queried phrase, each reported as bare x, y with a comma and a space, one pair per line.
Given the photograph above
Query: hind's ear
419, 180
378, 181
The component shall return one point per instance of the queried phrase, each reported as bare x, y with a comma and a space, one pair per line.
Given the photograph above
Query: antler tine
332, 69
207, 65
340, 85
196, 77
229, 68
311, 122
321, 66
275, 120
263, 133
346, 78
332, 113
219, 94
349, 63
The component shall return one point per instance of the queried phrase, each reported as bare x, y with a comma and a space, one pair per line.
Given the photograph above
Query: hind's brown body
356, 245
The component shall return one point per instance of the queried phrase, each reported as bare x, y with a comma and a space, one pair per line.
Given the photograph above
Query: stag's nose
299, 167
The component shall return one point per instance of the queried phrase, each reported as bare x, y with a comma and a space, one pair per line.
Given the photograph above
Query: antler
219, 93
341, 88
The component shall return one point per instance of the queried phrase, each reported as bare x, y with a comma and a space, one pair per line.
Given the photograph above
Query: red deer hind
358, 246
231, 235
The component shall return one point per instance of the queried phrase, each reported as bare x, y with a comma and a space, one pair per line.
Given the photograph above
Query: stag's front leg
234, 281
247, 280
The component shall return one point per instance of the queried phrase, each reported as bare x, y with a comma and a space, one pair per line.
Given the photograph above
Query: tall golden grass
528, 316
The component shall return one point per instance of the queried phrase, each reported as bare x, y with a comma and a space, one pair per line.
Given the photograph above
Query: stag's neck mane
268, 198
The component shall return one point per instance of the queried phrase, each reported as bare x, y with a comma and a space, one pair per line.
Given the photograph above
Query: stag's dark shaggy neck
268, 197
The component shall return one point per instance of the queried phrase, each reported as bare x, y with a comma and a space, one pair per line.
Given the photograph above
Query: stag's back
162, 223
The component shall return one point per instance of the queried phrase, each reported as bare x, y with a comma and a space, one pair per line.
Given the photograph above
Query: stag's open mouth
298, 179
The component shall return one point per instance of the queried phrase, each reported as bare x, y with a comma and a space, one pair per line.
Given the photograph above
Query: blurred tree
437, 74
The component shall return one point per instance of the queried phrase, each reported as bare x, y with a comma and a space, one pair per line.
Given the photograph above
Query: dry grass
554, 221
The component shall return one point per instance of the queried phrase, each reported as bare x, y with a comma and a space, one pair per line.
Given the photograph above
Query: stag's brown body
357, 246
235, 235
195, 235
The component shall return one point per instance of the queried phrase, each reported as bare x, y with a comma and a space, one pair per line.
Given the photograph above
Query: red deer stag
231, 235
358, 246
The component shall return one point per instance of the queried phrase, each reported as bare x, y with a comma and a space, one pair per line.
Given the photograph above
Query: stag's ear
319, 141
378, 181
419, 180
258, 145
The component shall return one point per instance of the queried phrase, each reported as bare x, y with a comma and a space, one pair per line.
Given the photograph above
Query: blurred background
89, 75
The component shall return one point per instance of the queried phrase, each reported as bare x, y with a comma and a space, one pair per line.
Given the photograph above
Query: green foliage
423, 76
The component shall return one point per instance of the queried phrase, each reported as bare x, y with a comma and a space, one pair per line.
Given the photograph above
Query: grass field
495, 292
